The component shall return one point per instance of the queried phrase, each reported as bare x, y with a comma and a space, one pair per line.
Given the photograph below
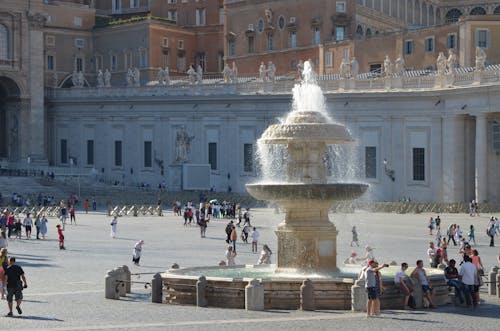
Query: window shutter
488, 39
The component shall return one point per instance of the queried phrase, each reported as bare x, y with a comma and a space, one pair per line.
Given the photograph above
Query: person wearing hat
372, 279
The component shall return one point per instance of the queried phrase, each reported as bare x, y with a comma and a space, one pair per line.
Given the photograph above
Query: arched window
4, 42
368, 33
432, 20
452, 15
438, 16
359, 31
497, 10
478, 11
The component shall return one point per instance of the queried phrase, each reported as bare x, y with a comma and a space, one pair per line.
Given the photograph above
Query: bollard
492, 279
110, 290
120, 284
498, 282
157, 289
254, 295
307, 295
358, 296
128, 278
201, 288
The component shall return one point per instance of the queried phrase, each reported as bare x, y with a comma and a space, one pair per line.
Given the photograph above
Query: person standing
3, 266
419, 273
10, 224
230, 255
255, 239
86, 206
64, 214
60, 236
490, 231
233, 237
228, 230
468, 272
28, 223
203, 225
137, 253
370, 286
450, 233
37, 225
43, 226
431, 253
431, 225
472, 235
354, 236
113, 224
402, 281
72, 214
16, 282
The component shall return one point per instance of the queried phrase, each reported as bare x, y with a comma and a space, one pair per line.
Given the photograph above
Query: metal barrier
135, 210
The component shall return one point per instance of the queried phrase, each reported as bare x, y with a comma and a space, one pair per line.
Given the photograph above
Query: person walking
72, 217
431, 225
450, 233
137, 253
37, 225
10, 224
490, 231
471, 234
43, 226
60, 236
233, 237
255, 239
354, 236
228, 230
113, 224
16, 282
64, 214
28, 223
86, 206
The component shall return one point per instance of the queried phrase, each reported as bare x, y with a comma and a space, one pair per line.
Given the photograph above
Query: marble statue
234, 73
387, 66
107, 78
182, 145
199, 74
226, 73
480, 59
262, 71
441, 64
137, 77
300, 69
54, 79
451, 62
74, 78
400, 65
160, 76
354, 67
80, 79
100, 78
269, 17
344, 68
130, 77
271, 71
166, 75
191, 74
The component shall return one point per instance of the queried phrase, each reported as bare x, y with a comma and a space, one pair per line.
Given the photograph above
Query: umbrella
214, 201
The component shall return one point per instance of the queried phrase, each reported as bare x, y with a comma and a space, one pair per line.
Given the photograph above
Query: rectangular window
180, 44
134, 3
203, 61
451, 41
231, 47
172, 15
79, 64
371, 162
118, 153
90, 152
200, 16
248, 157
172, 1
408, 47
419, 164
340, 33
329, 59
293, 39
251, 42
340, 6
496, 136
270, 41
317, 35
142, 58
117, 6
148, 154
114, 62
482, 38
429, 44
165, 60
64, 151
50, 62
164, 42
212, 155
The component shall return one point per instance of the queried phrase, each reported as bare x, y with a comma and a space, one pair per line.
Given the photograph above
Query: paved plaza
66, 288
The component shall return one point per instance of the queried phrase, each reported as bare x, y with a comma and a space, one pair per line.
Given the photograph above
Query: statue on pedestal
345, 67
451, 62
130, 77
387, 66
74, 78
107, 78
271, 71
354, 67
191, 74
199, 74
54, 79
300, 69
400, 66
441, 64
262, 72
480, 59
137, 77
100, 78
160, 76
182, 145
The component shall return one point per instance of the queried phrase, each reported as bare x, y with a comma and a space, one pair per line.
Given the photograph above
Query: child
61, 236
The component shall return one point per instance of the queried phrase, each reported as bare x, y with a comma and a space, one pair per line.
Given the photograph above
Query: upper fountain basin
301, 191
306, 126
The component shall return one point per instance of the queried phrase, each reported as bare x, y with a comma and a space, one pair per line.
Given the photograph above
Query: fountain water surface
306, 237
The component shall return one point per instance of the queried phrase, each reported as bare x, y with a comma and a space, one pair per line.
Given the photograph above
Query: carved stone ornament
36, 20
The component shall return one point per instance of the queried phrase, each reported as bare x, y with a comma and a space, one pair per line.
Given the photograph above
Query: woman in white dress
114, 222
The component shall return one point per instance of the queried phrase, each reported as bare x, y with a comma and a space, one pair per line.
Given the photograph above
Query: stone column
481, 158
36, 89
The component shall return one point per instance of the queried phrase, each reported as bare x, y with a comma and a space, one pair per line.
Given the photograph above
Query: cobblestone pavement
66, 288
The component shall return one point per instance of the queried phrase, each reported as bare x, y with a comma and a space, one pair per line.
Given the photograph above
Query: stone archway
10, 102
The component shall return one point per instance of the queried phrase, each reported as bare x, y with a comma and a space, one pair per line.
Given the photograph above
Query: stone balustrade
409, 80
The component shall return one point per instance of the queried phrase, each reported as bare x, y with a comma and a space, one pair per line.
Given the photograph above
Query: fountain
306, 238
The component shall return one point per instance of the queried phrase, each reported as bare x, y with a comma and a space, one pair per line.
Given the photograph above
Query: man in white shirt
402, 281
468, 272
431, 251
255, 239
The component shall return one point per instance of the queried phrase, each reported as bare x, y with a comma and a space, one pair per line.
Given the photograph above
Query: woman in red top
61, 236
10, 224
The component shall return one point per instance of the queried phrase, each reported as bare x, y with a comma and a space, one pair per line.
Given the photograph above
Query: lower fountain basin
301, 191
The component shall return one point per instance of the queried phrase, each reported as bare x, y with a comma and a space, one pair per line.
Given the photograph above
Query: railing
248, 84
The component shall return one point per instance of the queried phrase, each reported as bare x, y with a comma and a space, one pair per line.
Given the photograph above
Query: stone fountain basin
300, 191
